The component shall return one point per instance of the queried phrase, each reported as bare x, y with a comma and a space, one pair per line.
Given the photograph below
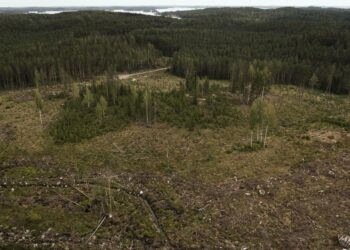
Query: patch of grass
256, 146
337, 121
26, 172
41, 218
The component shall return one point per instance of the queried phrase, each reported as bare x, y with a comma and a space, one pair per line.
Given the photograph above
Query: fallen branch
99, 225
81, 192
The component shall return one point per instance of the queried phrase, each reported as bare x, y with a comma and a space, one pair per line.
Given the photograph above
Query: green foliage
262, 118
180, 110
40, 49
337, 121
103, 104
75, 91
37, 78
39, 103
313, 81
101, 108
88, 97
80, 121
262, 113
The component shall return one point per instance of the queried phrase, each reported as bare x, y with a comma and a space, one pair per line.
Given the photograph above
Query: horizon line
205, 6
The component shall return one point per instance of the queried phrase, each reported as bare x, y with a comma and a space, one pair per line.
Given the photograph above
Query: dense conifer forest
305, 47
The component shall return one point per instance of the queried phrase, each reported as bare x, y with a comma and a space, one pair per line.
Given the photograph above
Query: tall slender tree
39, 103
88, 97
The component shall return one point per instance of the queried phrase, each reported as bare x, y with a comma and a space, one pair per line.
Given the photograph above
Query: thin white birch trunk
267, 127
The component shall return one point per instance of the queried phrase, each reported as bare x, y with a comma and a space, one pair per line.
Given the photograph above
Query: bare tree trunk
41, 118
251, 139
248, 94
267, 127
147, 110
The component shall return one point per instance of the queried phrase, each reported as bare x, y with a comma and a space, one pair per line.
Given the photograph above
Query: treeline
294, 43
306, 47
79, 59
74, 45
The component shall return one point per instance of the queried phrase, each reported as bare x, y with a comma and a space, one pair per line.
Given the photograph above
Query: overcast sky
32, 3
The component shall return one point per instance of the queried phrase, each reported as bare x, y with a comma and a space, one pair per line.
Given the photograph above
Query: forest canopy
307, 47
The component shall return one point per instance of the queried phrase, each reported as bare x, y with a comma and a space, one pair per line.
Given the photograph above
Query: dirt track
127, 76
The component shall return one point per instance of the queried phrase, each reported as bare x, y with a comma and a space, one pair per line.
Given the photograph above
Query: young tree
37, 78
75, 91
347, 86
206, 86
104, 105
195, 95
101, 108
39, 104
234, 77
262, 117
99, 112
110, 85
65, 79
114, 92
147, 100
313, 81
88, 97
330, 78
